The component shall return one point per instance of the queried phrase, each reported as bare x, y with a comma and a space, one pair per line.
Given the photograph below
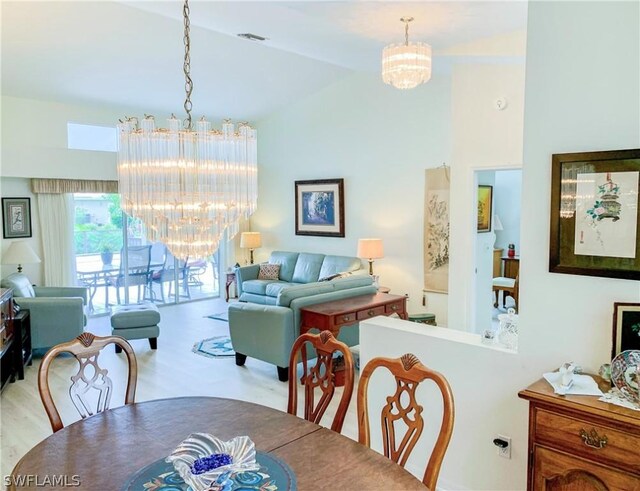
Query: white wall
34, 140
483, 138
380, 140
570, 107
507, 195
14, 187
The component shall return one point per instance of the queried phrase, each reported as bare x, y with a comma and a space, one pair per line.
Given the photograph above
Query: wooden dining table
103, 451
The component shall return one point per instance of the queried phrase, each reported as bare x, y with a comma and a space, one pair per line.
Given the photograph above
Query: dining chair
320, 376
86, 349
402, 407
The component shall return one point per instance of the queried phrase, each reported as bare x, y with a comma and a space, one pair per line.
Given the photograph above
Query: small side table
22, 330
231, 280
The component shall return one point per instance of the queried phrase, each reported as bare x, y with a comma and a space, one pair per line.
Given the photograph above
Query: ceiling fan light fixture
405, 66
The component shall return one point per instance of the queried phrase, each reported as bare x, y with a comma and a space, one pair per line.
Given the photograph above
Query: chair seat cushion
501, 281
137, 315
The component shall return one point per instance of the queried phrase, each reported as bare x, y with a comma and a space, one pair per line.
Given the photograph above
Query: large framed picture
320, 208
16, 218
485, 203
594, 214
626, 327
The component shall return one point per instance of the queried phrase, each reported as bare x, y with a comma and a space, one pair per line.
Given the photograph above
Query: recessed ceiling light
252, 37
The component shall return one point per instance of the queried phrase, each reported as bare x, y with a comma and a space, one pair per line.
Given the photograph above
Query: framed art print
320, 207
485, 201
16, 218
595, 223
626, 327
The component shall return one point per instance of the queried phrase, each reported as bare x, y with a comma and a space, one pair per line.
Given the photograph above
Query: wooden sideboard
331, 316
7, 338
577, 443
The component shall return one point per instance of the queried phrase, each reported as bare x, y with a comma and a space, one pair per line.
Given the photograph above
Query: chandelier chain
188, 83
406, 33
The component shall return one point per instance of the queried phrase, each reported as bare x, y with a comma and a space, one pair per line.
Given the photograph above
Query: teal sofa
56, 313
296, 268
266, 321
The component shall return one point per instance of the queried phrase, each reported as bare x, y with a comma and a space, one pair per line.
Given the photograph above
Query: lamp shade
20, 252
250, 240
370, 248
497, 224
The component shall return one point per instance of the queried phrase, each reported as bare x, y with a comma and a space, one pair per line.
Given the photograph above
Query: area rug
217, 347
220, 316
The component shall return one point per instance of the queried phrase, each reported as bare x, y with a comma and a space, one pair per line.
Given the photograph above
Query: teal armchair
57, 313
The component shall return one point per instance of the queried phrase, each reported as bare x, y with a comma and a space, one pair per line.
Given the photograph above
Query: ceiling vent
252, 37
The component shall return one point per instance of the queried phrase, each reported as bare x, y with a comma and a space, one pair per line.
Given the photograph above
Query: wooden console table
331, 316
581, 443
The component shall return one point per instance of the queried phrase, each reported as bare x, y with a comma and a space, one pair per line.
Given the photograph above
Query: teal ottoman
136, 321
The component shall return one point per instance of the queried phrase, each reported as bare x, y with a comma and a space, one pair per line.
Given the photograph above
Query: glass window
91, 137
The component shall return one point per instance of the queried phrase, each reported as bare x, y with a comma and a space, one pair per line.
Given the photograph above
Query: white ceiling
129, 54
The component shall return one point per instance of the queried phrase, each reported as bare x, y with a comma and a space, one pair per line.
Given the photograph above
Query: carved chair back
320, 376
408, 373
86, 349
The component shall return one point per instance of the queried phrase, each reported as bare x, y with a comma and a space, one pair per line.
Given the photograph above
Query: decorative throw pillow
269, 271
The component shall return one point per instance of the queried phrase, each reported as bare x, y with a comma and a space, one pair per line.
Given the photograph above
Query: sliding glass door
120, 266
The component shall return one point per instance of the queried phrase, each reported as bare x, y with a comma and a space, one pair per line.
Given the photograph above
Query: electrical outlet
505, 452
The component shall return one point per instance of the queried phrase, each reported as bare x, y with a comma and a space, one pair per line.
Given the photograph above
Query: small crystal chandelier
407, 65
187, 185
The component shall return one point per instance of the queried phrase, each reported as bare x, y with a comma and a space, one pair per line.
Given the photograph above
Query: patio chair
139, 261
168, 274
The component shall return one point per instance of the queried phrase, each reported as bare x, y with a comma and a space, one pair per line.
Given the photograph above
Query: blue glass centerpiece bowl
197, 445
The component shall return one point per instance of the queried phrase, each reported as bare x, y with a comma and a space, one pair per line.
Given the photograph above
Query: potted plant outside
106, 253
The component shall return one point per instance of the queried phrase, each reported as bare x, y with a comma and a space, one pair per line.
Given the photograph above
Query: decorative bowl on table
625, 374
205, 462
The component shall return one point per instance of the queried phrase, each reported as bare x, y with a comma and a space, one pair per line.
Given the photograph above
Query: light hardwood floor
170, 371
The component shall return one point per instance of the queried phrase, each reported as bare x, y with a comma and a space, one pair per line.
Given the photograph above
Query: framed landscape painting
485, 201
320, 207
594, 214
626, 327
16, 217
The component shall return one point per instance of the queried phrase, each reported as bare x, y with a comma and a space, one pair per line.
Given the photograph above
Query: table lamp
20, 252
370, 249
497, 227
251, 241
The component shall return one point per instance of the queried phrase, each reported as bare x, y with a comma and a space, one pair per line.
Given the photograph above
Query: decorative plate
625, 374
197, 445
274, 475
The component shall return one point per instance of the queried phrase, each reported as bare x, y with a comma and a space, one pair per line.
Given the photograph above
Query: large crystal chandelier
407, 65
187, 185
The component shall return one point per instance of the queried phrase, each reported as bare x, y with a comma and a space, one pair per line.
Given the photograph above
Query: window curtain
56, 213
62, 186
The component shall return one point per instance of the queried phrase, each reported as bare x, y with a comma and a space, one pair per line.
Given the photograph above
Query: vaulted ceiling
129, 54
